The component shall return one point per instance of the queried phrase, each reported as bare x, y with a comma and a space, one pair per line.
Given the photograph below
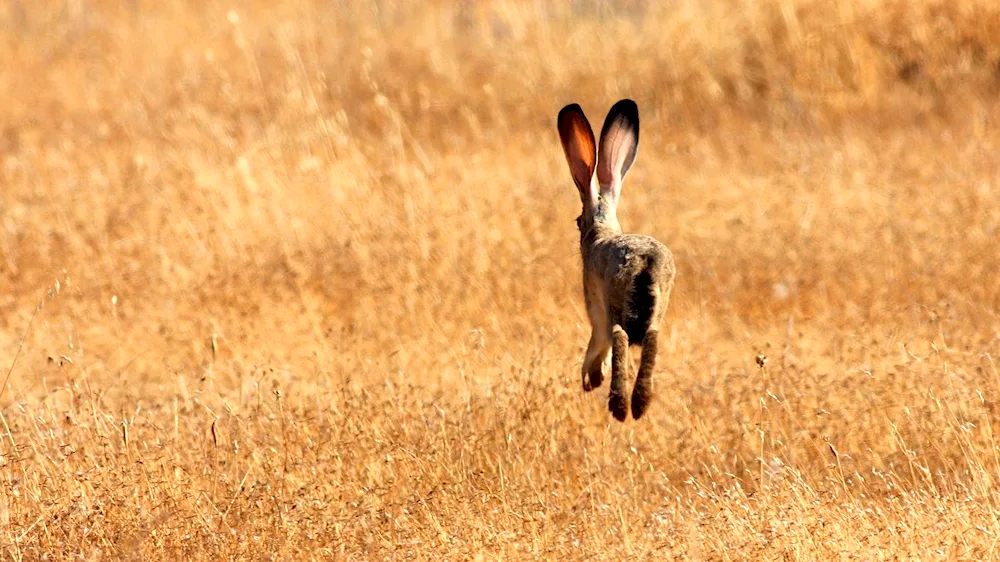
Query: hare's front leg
593, 361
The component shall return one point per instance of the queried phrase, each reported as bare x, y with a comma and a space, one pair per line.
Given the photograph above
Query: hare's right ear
619, 143
581, 150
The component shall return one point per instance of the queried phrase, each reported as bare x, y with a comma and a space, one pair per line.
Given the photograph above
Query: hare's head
611, 159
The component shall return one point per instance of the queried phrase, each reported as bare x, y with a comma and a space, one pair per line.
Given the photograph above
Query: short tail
642, 302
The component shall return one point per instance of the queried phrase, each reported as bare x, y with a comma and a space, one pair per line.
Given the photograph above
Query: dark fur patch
641, 309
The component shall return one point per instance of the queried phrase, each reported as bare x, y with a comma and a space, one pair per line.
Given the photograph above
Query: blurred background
361, 209
377, 168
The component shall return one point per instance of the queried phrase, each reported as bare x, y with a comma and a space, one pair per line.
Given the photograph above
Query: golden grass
299, 280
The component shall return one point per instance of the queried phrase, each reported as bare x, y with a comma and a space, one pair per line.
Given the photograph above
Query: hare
627, 278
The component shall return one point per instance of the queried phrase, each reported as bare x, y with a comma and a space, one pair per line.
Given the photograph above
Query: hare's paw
618, 406
642, 395
593, 378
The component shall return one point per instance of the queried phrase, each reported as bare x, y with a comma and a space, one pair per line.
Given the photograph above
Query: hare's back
640, 248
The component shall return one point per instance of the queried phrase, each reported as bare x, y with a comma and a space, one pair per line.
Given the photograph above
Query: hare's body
627, 278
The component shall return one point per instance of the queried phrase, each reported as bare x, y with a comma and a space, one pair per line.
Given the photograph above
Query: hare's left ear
619, 144
581, 153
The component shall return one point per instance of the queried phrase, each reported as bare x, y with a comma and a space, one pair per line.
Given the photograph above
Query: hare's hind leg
593, 362
642, 392
619, 371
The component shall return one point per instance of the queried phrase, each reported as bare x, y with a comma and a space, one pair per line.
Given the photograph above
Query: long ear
581, 151
619, 144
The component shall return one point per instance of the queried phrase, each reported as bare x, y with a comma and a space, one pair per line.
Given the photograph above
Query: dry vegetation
299, 280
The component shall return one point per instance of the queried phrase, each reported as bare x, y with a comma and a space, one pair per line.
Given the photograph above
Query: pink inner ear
588, 191
617, 149
583, 174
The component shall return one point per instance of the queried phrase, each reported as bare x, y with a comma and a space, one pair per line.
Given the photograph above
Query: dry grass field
300, 280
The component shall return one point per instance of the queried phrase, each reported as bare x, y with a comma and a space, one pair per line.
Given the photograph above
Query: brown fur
627, 278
